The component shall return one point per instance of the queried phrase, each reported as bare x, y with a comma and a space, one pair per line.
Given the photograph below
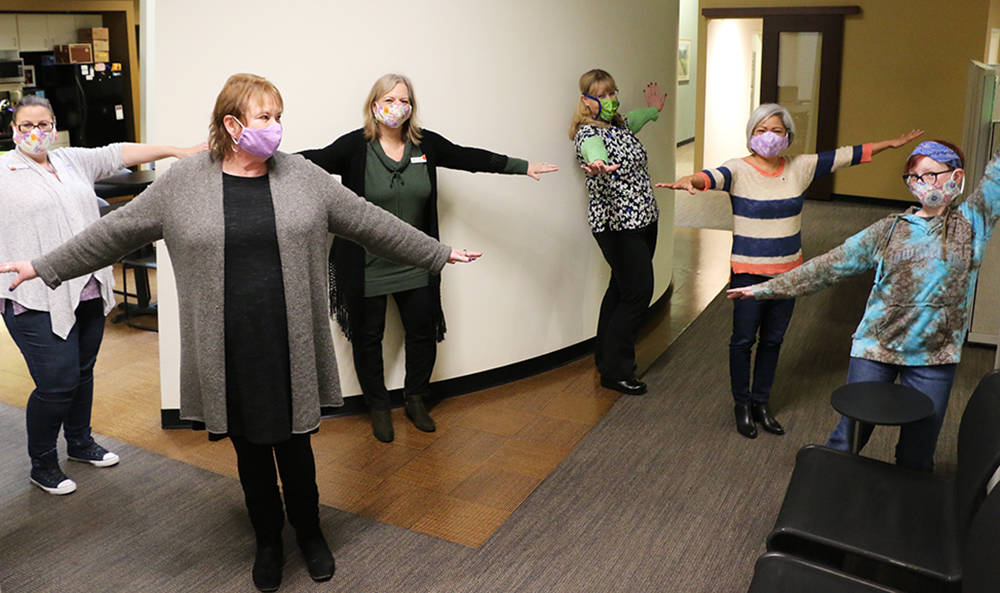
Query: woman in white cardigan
48, 196
247, 230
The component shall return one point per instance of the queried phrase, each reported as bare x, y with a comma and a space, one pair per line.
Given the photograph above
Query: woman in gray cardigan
247, 232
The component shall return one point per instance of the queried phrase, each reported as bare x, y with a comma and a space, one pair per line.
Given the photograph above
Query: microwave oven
12, 70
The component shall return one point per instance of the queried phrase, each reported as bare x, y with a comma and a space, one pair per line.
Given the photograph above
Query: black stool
876, 402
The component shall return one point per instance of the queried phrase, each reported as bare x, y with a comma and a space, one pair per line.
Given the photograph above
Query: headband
939, 152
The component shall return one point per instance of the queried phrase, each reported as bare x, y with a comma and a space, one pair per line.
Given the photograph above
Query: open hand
535, 170
682, 183
192, 150
905, 138
745, 292
599, 168
23, 269
654, 98
463, 255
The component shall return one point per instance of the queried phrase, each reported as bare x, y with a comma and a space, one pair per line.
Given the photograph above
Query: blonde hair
385, 83
234, 99
593, 82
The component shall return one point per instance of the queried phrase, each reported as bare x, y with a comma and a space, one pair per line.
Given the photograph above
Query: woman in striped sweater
767, 192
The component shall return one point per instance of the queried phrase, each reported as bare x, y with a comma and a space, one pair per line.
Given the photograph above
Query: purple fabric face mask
768, 144
260, 142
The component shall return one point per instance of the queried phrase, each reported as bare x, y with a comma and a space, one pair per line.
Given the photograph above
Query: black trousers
416, 311
630, 255
256, 464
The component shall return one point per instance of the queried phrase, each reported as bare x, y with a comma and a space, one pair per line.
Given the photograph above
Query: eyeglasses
45, 126
926, 178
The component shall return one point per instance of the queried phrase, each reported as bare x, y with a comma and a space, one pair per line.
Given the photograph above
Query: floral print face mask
35, 142
392, 115
932, 196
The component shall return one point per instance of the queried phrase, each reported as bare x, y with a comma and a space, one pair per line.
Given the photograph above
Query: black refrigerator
90, 102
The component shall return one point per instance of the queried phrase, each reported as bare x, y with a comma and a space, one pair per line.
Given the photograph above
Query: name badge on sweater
419, 159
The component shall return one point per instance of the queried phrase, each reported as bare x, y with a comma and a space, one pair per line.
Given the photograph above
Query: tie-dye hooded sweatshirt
925, 278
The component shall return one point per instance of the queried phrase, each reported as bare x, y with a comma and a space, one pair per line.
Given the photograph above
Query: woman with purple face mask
766, 191
926, 261
48, 196
393, 162
247, 229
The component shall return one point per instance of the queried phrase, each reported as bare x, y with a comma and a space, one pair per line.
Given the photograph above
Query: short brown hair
385, 83
234, 99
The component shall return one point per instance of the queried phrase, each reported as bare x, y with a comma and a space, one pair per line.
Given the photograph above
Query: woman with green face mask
623, 217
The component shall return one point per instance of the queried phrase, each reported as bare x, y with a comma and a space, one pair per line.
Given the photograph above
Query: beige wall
905, 66
499, 75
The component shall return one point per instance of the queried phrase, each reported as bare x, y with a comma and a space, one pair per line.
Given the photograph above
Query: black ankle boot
382, 425
268, 564
762, 414
416, 411
317, 555
744, 421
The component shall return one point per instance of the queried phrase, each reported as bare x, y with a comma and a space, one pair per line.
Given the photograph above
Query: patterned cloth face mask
768, 144
393, 115
609, 107
36, 141
932, 196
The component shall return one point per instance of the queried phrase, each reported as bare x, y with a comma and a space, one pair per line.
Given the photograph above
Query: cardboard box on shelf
74, 53
100, 45
89, 35
102, 56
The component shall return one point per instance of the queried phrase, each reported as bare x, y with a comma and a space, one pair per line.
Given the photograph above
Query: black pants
769, 318
630, 255
260, 485
416, 311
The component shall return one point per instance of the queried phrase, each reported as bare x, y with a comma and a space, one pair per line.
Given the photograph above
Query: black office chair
139, 261
887, 523
779, 573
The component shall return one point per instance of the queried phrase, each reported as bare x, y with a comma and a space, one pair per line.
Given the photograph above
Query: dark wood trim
171, 418
762, 11
683, 142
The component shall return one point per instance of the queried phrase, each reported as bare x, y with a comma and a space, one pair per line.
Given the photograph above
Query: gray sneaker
93, 454
52, 480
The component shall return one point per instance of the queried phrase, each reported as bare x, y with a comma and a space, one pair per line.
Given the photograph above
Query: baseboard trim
170, 418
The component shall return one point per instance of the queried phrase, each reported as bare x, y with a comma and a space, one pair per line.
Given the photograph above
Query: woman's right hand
23, 269
464, 255
599, 168
682, 183
745, 292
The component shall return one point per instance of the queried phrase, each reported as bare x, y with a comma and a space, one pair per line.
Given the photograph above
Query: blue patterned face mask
933, 196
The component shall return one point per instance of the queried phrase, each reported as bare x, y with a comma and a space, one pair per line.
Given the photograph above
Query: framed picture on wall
683, 60
29, 77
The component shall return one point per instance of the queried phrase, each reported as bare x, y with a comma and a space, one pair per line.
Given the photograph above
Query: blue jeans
63, 371
769, 317
917, 440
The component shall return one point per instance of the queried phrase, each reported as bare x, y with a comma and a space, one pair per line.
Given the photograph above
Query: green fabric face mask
609, 107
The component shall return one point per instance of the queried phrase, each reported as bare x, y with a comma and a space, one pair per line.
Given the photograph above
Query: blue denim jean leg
918, 440
768, 318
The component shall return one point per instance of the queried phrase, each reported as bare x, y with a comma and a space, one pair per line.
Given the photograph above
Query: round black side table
875, 402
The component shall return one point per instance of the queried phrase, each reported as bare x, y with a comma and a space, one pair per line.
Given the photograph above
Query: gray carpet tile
662, 495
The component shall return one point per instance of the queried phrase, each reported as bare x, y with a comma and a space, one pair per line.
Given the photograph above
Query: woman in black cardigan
392, 162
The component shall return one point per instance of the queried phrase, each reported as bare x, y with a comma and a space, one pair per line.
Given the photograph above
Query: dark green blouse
402, 187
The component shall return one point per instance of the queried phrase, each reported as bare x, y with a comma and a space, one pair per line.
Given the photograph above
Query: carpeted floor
662, 495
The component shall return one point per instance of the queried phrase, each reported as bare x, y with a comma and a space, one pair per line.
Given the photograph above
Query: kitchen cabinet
42, 32
8, 31
33, 32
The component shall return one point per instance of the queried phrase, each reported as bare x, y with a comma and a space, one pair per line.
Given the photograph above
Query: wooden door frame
120, 19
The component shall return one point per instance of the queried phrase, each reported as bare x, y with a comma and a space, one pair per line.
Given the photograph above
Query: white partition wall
500, 75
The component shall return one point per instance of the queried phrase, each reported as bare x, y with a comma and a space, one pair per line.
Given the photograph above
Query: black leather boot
744, 421
268, 563
382, 425
319, 559
762, 414
416, 411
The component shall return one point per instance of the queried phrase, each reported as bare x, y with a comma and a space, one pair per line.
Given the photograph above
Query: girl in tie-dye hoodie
926, 261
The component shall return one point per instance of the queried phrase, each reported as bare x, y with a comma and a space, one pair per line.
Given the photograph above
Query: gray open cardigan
184, 208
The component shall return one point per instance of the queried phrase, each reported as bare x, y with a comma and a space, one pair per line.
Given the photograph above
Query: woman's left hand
745, 292
654, 98
536, 170
464, 255
191, 150
23, 269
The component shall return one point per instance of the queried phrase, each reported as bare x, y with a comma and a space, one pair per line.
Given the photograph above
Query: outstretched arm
136, 154
896, 142
691, 183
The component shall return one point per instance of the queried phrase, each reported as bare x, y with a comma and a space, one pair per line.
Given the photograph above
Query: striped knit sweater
767, 207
